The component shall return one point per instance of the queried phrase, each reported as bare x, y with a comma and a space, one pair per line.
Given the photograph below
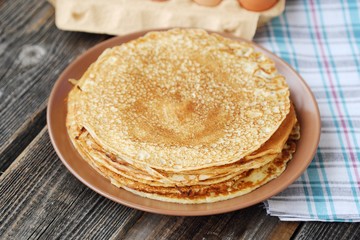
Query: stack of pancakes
183, 116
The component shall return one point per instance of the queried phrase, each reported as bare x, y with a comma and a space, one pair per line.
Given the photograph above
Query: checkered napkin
321, 40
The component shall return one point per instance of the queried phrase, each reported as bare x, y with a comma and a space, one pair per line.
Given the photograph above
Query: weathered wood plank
284, 230
22, 137
33, 52
249, 223
326, 231
41, 199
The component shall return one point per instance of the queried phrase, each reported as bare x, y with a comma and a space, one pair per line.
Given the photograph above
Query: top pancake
182, 100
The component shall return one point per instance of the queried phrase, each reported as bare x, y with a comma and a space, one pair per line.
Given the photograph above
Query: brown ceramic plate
301, 95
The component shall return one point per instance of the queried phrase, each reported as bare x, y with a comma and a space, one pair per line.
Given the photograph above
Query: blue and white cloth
321, 40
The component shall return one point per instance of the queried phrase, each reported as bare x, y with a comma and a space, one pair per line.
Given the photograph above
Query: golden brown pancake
156, 177
238, 185
183, 116
182, 100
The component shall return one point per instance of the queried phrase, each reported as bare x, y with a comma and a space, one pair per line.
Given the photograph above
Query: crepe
183, 116
174, 100
238, 185
152, 176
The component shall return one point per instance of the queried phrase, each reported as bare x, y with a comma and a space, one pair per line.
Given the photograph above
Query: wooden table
39, 198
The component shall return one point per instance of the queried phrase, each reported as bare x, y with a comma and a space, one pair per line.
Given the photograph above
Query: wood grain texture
33, 52
327, 231
41, 199
22, 137
249, 223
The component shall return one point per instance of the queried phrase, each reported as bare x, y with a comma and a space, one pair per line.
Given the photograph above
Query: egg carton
120, 17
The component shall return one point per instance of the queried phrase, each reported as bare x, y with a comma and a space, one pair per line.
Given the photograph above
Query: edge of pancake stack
183, 116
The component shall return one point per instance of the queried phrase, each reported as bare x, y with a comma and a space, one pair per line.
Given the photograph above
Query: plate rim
174, 212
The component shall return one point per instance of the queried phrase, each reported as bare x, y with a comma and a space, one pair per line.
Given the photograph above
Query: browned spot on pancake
186, 126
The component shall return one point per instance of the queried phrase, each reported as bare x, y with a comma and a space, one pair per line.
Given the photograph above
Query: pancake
235, 187
240, 184
183, 116
156, 177
182, 100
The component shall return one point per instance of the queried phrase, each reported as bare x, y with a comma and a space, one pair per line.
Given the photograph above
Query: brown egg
208, 3
257, 5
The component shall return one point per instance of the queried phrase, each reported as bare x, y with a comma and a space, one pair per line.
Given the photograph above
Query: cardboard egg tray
120, 17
